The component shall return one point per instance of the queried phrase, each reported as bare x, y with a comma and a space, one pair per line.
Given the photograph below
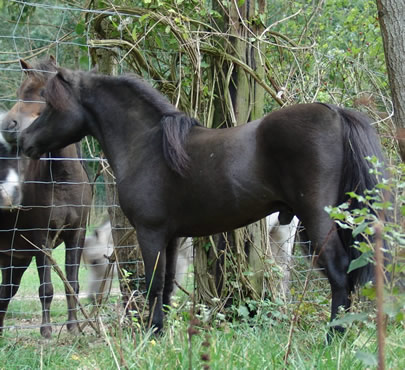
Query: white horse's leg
281, 247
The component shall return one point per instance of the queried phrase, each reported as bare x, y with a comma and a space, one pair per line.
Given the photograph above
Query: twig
152, 309
109, 344
379, 278
67, 285
182, 289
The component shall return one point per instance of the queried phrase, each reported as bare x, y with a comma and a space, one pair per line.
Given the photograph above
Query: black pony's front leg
74, 246
153, 247
170, 273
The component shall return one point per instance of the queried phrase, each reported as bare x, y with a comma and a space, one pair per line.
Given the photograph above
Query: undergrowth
190, 342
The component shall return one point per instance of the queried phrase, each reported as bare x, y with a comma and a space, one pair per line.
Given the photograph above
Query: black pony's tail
176, 126
360, 141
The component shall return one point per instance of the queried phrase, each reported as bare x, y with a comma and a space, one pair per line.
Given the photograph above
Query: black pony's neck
136, 112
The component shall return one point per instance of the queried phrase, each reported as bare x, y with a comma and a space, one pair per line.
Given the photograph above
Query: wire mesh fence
34, 30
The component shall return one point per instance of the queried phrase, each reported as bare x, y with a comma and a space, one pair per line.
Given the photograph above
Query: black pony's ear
25, 66
64, 75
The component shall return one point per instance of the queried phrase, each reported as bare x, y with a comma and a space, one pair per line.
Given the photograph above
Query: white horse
281, 239
99, 246
97, 249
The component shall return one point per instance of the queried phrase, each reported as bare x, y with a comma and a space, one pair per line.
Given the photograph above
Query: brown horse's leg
171, 261
153, 247
74, 248
11, 278
45, 292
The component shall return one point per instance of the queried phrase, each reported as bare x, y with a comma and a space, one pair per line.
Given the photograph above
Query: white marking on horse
9, 188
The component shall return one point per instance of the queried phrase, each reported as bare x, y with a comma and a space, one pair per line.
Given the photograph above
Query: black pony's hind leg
331, 256
45, 292
11, 278
170, 274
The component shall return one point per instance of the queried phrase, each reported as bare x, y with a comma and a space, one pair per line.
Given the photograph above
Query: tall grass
219, 345
237, 342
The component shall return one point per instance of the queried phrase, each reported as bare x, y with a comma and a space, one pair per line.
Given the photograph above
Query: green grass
259, 343
228, 346
25, 308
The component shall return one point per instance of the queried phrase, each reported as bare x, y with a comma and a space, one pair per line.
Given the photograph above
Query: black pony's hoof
334, 331
157, 328
46, 331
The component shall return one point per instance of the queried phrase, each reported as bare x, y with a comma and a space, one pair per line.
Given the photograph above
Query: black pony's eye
42, 93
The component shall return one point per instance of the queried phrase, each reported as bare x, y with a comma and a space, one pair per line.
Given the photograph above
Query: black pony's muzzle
27, 148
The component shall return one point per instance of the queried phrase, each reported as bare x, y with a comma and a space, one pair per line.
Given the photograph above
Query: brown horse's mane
42, 70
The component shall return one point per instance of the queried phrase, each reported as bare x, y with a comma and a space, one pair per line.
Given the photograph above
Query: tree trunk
391, 14
230, 265
248, 104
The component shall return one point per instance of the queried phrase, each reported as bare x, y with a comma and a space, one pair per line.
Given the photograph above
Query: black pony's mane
175, 125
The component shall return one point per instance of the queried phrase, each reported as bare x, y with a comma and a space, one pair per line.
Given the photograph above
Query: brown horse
54, 206
176, 178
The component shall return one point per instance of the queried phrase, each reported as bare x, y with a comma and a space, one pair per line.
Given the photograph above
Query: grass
242, 343
226, 345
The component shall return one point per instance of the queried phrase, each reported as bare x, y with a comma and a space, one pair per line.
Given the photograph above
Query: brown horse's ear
52, 59
25, 66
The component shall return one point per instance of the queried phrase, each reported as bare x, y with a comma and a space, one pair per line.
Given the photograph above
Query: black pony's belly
195, 225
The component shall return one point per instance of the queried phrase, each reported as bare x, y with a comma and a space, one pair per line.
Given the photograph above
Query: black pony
176, 178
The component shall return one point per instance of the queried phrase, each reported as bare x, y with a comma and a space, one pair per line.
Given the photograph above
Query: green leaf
359, 219
400, 317
359, 262
80, 28
369, 292
143, 18
366, 358
243, 311
359, 229
349, 318
84, 62
134, 34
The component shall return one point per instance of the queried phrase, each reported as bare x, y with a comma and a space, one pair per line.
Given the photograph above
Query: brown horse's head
30, 102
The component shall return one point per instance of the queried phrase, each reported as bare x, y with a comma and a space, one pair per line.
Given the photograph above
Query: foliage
377, 206
377, 210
